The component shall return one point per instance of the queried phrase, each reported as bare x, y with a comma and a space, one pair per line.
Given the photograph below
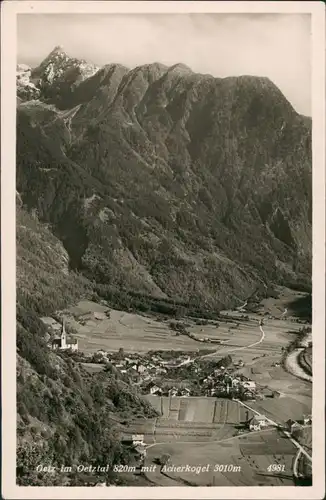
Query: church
65, 341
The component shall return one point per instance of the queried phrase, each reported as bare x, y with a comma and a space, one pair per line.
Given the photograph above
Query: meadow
250, 455
142, 333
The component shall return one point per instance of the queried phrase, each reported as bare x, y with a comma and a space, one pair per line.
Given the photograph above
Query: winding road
276, 424
221, 351
241, 347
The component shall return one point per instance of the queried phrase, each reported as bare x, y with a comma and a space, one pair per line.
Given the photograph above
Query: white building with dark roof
65, 341
257, 422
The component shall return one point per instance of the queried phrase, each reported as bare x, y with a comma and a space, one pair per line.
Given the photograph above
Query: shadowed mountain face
165, 181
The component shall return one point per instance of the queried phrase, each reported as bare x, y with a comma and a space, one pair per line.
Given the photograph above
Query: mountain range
164, 181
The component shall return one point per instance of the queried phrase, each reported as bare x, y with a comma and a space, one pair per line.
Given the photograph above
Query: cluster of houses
156, 390
139, 368
219, 384
222, 383
150, 374
257, 422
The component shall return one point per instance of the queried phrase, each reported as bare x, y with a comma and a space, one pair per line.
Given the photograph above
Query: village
184, 375
173, 373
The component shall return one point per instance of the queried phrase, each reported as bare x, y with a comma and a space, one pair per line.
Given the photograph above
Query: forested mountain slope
63, 412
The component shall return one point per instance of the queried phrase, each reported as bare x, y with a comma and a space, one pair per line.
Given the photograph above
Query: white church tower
63, 336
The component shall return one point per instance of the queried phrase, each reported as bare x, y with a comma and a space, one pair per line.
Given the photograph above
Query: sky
276, 46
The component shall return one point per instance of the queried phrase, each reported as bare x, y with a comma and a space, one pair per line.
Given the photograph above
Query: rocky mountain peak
180, 68
58, 49
58, 74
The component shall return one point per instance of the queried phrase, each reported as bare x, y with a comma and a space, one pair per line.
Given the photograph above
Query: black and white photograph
163, 191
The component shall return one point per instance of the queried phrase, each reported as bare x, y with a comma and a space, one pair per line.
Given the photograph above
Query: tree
121, 353
164, 459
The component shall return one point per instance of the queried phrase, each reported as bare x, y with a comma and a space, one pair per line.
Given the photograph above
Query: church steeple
63, 334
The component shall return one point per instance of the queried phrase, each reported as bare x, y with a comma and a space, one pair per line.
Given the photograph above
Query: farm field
132, 332
192, 419
277, 378
199, 409
250, 455
171, 430
137, 333
281, 409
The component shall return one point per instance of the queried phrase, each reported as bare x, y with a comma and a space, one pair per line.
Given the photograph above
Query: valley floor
205, 431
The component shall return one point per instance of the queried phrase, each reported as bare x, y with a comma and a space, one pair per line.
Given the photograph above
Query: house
249, 384
236, 382
293, 425
141, 368
289, 423
257, 422
155, 390
249, 395
65, 341
102, 353
134, 439
130, 361
173, 391
307, 420
137, 439
161, 370
185, 393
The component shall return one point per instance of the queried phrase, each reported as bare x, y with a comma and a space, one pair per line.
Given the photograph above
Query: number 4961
276, 468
